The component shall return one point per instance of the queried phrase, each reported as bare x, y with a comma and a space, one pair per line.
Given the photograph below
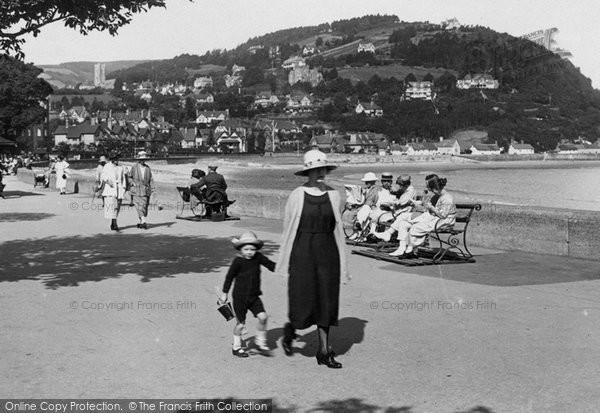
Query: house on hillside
366, 47
230, 142
306, 75
256, 48
369, 108
188, 137
324, 143
419, 90
265, 99
233, 80
203, 82
421, 149
81, 133
397, 149
520, 149
308, 51
235, 69
76, 114
204, 98
367, 142
485, 149
448, 147
293, 62
477, 81
211, 116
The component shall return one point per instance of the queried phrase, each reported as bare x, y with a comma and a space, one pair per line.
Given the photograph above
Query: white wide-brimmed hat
369, 177
247, 238
142, 155
314, 159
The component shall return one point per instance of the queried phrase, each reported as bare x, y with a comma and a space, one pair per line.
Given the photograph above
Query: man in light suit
142, 186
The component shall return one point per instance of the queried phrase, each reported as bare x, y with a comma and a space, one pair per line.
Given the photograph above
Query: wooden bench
452, 242
454, 238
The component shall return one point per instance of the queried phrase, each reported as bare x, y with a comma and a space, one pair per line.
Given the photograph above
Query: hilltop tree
19, 18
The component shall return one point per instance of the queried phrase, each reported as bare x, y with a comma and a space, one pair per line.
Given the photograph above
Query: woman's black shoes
288, 337
328, 360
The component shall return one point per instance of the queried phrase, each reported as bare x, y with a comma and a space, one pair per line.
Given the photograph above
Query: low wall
552, 231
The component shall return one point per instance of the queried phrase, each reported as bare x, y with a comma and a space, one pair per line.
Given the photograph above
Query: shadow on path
23, 216
69, 261
18, 194
352, 405
511, 269
349, 331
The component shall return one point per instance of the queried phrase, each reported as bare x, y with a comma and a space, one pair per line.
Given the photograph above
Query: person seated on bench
197, 184
370, 192
403, 207
215, 190
411, 213
386, 202
442, 215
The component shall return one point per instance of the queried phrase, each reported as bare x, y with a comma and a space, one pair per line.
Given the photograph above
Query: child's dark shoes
240, 352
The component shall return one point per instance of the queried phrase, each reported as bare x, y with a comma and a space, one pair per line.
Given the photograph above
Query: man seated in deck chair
197, 184
402, 208
386, 203
216, 195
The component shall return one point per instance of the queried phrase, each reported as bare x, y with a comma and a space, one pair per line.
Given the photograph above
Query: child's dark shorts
244, 304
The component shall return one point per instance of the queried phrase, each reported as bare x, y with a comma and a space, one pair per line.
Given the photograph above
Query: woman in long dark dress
312, 254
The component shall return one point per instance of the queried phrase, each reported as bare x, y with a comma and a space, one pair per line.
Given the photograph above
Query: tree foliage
21, 93
21, 17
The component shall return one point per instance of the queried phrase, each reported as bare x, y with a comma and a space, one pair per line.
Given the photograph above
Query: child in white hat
245, 270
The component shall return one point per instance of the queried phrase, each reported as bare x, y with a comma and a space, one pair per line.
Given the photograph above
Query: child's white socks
237, 342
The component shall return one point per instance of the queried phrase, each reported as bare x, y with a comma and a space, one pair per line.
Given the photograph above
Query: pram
40, 179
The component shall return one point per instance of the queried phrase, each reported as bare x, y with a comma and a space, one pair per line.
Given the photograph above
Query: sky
198, 26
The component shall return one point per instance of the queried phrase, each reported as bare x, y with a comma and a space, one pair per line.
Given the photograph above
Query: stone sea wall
551, 231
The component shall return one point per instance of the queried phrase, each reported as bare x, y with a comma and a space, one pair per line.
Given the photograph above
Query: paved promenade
90, 313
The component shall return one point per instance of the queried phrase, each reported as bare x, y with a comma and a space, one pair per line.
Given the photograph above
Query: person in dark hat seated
197, 184
216, 195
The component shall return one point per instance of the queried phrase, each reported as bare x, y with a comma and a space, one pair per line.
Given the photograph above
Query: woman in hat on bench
313, 255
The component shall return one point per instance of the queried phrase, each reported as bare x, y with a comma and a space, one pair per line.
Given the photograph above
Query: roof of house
323, 139
212, 113
521, 146
447, 143
423, 146
188, 134
486, 147
567, 147
286, 125
370, 105
75, 131
231, 123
